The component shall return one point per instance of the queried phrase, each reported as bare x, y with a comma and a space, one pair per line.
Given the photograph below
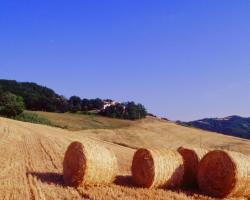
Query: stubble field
31, 158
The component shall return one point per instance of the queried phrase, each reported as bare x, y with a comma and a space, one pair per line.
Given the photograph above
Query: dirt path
31, 167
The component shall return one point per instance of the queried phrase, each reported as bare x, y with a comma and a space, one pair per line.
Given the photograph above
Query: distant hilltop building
108, 103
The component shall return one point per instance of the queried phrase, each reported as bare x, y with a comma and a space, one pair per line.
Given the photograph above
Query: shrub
33, 118
10, 104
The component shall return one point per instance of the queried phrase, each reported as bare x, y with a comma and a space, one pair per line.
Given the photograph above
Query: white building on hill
108, 103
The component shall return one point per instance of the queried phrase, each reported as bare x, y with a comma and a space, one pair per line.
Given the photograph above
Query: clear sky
182, 59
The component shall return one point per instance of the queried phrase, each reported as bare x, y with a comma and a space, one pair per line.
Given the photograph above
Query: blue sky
182, 59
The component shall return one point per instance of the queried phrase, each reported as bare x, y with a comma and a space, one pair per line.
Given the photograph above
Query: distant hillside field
76, 122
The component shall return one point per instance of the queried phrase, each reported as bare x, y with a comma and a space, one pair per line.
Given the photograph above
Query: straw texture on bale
191, 158
157, 168
88, 164
224, 174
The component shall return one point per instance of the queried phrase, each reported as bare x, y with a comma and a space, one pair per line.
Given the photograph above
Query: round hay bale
224, 174
88, 164
191, 158
157, 168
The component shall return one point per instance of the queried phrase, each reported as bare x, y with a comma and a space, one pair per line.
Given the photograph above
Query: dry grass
75, 122
32, 156
153, 133
89, 163
224, 174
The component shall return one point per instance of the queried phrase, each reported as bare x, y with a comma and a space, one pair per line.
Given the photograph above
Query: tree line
41, 98
16, 96
128, 110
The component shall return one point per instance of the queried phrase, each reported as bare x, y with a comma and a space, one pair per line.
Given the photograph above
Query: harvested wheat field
31, 158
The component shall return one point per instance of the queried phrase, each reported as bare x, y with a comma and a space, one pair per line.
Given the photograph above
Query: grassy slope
76, 122
150, 132
232, 125
157, 133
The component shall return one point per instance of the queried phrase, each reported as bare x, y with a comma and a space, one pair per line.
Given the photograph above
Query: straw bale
88, 164
157, 168
224, 174
191, 157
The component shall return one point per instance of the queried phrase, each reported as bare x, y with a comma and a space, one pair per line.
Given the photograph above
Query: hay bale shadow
125, 181
49, 177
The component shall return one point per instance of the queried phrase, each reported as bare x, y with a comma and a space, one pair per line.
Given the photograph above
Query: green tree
128, 110
62, 104
36, 97
91, 104
74, 104
85, 105
10, 104
97, 103
132, 111
114, 111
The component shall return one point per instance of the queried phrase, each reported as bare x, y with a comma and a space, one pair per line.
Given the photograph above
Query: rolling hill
31, 158
233, 125
41, 98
